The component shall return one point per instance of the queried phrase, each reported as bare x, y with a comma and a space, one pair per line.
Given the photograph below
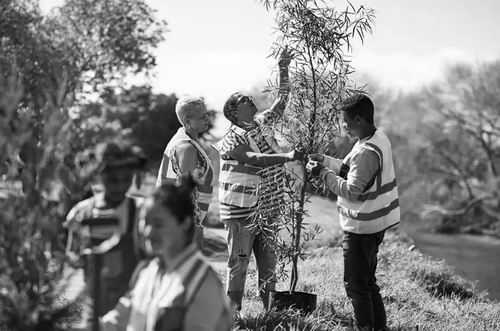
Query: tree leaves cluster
319, 36
144, 118
49, 65
465, 149
446, 146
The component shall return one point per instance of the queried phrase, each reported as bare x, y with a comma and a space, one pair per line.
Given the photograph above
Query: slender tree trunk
299, 214
299, 217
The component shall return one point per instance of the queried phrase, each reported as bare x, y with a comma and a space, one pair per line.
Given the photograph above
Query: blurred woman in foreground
177, 289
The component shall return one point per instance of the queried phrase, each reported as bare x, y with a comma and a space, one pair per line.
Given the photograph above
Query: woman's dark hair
177, 198
359, 104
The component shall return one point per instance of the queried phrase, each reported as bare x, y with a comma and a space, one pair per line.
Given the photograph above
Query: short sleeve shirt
270, 195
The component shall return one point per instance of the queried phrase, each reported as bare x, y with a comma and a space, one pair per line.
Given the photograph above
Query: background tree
49, 65
446, 148
145, 118
318, 35
465, 149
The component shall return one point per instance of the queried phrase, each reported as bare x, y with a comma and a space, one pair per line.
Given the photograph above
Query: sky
214, 48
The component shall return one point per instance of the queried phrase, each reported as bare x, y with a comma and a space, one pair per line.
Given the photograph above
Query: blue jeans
360, 263
240, 243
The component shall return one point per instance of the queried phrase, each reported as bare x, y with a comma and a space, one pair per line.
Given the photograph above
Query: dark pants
360, 264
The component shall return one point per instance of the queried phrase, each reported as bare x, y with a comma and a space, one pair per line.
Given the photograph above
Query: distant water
477, 258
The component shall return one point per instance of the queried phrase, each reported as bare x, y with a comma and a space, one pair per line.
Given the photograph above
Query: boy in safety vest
248, 158
368, 204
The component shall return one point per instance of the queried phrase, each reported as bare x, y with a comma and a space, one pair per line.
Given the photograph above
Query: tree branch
427, 208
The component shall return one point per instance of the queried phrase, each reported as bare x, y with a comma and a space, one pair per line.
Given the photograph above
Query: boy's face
245, 111
116, 182
351, 125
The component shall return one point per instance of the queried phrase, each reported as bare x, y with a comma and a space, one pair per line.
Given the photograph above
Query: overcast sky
216, 47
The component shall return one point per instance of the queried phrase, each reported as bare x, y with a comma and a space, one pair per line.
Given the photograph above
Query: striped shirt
270, 190
89, 208
109, 222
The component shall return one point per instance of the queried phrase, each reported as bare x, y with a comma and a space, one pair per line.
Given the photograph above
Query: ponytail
177, 198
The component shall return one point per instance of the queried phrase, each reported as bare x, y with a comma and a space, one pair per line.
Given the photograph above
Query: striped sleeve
364, 166
229, 143
77, 214
230, 212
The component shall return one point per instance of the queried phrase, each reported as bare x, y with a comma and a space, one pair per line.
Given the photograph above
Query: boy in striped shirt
251, 159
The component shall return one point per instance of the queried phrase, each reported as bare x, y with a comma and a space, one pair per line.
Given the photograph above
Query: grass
419, 293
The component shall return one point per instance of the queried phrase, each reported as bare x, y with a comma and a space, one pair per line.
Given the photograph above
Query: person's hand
74, 259
297, 154
314, 168
285, 58
316, 157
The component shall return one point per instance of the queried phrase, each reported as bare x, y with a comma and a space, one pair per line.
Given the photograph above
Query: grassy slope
419, 293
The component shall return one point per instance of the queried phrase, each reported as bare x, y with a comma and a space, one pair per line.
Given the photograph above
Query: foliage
467, 144
31, 254
144, 118
31, 268
80, 47
47, 65
136, 114
446, 144
318, 35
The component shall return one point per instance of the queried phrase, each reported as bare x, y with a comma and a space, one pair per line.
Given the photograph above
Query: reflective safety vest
204, 188
157, 297
378, 207
238, 181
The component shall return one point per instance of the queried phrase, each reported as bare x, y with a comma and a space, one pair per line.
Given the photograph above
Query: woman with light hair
185, 154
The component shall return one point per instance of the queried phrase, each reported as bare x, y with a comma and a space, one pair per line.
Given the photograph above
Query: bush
32, 264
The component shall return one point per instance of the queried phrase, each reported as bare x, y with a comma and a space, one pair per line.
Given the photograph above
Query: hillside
419, 293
